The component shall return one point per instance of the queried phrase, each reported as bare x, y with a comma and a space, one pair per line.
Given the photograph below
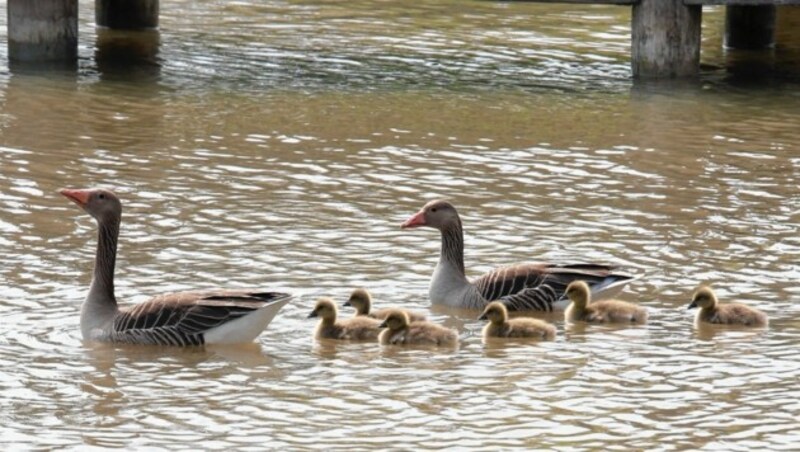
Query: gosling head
704, 297
495, 312
361, 300
325, 309
436, 214
578, 292
396, 320
100, 203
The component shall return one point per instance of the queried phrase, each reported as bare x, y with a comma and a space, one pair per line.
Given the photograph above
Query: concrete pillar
665, 39
43, 31
127, 53
787, 28
750, 27
126, 14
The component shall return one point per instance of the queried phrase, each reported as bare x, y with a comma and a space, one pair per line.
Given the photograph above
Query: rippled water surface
281, 143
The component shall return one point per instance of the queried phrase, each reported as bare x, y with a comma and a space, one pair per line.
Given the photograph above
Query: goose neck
105, 261
452, 252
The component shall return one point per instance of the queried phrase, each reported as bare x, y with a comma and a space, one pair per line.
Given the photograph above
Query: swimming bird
521, 287
361, 299
605, 311
712, 311
355, 328
500, 326
400, 331
180, 319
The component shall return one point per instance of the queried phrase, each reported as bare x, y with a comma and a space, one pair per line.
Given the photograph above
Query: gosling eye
101, 196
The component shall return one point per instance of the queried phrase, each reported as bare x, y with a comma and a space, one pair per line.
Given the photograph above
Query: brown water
281, 145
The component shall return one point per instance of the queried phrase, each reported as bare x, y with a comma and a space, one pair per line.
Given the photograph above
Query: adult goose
521, 287
178, 319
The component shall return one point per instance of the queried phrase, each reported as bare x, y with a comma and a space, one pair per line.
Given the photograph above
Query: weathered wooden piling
43, 31
126, 14
665, 39
750, 27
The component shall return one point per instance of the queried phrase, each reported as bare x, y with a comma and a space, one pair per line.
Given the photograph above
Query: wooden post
750, 27
126, 14
43, 31
665, 39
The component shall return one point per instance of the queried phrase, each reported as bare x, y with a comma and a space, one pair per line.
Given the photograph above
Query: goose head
704, 297
396, 320
325, 309
361, 300
437, 214
495, 312
578, 292
100, 203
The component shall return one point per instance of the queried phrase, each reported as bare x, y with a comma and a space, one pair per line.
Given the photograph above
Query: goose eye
101, 196
433, 210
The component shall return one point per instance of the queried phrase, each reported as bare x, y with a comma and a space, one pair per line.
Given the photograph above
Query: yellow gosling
500, 326
606, 311
355, 329
401, 331
361, 300
712, 311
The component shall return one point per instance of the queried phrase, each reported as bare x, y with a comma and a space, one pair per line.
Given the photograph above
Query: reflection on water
281, 145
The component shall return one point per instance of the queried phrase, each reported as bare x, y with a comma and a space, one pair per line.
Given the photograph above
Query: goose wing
181, 318
539, 287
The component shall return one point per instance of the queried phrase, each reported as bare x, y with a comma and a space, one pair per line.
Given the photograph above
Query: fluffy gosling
712, 311
400, 331
362, 301
500, 326
605, 311
356, 329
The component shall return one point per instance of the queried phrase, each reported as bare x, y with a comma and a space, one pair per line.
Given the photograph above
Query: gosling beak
312, 315
693, 305
383, 325
483, 317
347, 304
417, 220
79, 197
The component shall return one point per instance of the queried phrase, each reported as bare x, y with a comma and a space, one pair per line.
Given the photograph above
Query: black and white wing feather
181, 319
539, 287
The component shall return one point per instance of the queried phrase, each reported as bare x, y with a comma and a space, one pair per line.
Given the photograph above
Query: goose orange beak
79, 197
417, 220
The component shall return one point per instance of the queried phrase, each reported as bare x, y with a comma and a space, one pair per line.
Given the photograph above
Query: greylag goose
500, 326
361, 299
357, 328
712, 311
521, 287
178, 319
583, 309
400, 331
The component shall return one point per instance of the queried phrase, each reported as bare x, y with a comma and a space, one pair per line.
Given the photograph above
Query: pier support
43, 31
665, 39
127, 54
750, 27
126, 14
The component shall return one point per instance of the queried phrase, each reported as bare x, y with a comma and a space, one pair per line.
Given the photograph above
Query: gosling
362, 301
355, 329
500, 326
604, 311
711, 311
400, 331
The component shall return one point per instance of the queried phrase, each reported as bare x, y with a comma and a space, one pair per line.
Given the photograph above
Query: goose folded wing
182, 318
537, 287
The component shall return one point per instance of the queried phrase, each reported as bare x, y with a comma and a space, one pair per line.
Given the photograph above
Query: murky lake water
281, 144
